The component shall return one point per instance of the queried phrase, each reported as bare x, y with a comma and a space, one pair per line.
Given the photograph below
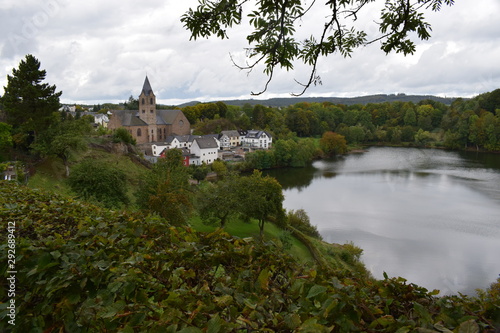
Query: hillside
380, 98
79, 268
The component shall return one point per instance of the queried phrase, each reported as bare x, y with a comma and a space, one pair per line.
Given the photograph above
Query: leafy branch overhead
275, 42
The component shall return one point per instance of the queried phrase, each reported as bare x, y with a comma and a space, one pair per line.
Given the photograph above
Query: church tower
147, 109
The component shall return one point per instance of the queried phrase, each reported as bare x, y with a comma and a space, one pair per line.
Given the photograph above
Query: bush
300, 221
99, 182
122, 135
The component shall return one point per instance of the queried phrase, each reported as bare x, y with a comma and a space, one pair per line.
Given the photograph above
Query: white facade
206, 149
101, 119
257, 139
159, 147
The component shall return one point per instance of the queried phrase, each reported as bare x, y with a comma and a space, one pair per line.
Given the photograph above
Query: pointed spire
146, 88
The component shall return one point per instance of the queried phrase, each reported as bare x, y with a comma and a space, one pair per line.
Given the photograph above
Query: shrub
99, 182
300, 220
122, 135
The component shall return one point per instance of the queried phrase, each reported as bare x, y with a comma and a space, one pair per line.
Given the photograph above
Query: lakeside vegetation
83, 268
107, 242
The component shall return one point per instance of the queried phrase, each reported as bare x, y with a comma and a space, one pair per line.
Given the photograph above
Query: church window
139, 132
143, 101
151, 100
150, 111
143, 111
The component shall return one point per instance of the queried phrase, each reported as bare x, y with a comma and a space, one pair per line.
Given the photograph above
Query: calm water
430, 216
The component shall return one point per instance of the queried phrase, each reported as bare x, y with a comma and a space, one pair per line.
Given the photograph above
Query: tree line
465, 124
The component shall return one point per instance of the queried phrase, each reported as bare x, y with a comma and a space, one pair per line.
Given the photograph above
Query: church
149, 124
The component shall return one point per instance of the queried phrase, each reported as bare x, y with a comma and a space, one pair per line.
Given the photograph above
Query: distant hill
380, 98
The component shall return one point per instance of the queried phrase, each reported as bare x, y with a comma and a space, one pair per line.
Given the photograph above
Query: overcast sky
101, 51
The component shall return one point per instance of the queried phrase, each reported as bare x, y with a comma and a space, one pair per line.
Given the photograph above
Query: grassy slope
243, 230
50, 175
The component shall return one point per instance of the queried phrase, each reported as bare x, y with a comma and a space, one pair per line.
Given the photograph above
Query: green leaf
126, 329
315, 291
263, 279
292, 321
190, 330
469, 326
440, 327
214, 324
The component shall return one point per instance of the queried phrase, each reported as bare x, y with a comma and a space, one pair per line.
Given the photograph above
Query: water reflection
430, 216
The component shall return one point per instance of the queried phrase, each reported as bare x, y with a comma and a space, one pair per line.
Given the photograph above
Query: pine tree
29, 103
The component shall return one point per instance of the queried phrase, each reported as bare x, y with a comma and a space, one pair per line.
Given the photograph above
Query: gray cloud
100, 52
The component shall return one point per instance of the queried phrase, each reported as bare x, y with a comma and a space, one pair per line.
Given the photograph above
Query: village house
229, 139
206, 149
169, 143
148, 124
257, 139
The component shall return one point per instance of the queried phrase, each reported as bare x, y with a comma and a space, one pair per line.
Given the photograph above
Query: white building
169, 143
205, 149
257, 139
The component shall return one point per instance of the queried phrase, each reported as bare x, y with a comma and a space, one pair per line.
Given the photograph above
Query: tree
132, 103
276, 42
5, 136
100, 182
29, 103
64, 138
262, 199
300, 221
220, 168
166, 189
333, 143
199, 172
218, 202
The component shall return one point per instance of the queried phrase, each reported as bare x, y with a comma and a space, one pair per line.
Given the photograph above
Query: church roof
131, 117
146, 88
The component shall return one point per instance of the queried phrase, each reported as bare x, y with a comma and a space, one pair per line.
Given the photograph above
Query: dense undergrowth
81, 268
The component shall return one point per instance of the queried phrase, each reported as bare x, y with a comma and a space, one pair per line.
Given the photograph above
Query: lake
430, 216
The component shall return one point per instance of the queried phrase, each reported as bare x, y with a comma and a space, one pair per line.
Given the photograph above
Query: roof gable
207, 143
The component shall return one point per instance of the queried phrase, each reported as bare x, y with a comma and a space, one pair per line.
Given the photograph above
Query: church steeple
147, 109
146, 88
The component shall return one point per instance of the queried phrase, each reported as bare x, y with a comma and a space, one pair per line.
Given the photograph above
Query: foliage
220, 168
262, 199
333, 144
5, 135
276, 40
81, 268
122, 135
99, 182
198, 172
300, 221
165, 189
29, 103
63, 138
218, 202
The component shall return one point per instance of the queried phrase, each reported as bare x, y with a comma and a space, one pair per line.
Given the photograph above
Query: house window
150, 111
151, 100
139, 133
143, 111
